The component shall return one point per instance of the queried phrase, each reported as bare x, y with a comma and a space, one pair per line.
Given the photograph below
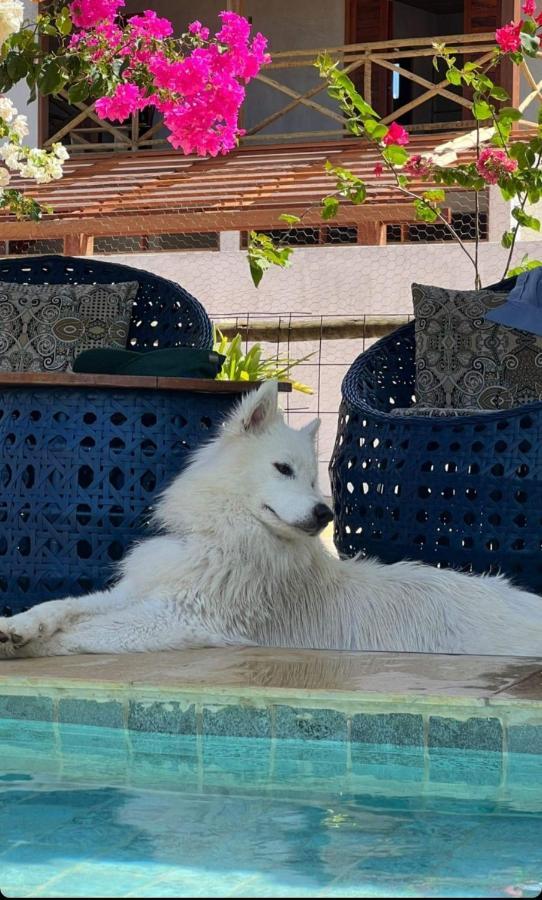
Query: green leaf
375, 130
481, 110
395, 154
51, 79
453, 75
529, 26
434, 196
289, 219
78, 92
330, 205
529, 43
499, 93
16, 66
63, 21
424, 212
526, 220
509, 114
507, 239
525, 266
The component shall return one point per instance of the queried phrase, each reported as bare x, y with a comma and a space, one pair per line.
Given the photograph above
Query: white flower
4, 177
60, 151
7, 110
11, 18
20, 126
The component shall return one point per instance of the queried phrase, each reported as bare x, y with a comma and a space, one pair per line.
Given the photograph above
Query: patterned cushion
464, 362
43, 327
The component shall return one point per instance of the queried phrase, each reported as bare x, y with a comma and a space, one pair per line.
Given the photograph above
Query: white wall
20, 93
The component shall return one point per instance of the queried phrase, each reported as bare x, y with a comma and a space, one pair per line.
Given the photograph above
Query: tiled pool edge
428, 722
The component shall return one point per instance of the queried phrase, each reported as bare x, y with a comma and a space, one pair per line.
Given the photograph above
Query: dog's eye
284, 469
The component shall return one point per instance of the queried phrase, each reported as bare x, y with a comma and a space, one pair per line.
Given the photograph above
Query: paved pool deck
296, 674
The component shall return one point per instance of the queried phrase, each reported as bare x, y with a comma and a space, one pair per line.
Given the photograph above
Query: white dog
239, 562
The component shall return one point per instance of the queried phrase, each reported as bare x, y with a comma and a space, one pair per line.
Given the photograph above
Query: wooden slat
101, 382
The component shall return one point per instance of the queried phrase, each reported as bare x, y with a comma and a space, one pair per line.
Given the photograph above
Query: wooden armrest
79, 379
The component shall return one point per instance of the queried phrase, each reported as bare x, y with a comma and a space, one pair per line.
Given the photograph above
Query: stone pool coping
411, 678
469, 703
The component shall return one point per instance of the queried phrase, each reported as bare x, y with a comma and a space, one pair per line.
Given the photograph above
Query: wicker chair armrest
82, 380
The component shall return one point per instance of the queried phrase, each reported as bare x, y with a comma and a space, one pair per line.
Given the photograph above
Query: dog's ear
312, 428
257, 411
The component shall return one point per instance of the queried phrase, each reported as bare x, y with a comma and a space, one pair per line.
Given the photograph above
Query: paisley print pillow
44, 327
464, 362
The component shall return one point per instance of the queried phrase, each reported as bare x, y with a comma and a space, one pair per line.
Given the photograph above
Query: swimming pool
112, 812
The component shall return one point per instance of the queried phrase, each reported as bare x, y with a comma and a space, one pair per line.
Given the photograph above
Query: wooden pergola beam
234, 220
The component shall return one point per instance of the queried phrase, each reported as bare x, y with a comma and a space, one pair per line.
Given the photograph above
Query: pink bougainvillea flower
493, 164
378, 170
396, 135
126, 99
529, 7
418, 166
509, 37
87, 13
199, 90
149, 25
197, 29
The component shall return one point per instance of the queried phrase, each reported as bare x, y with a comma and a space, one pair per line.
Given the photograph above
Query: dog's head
275, 465
257, 470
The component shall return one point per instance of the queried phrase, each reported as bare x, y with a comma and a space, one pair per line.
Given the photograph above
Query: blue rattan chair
82, 457
464, 492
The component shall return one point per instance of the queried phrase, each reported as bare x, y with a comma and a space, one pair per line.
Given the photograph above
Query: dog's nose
322, 514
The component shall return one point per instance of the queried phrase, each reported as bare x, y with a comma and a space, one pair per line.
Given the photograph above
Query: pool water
96, 812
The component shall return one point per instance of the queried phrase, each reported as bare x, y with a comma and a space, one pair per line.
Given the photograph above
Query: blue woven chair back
462, 492
163, 314
80, 468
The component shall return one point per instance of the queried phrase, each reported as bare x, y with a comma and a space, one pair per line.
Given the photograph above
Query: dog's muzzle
322, 515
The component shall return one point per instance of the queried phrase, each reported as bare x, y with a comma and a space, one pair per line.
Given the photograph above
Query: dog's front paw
16, 633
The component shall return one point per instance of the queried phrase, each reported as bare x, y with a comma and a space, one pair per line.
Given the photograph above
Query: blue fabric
523, 307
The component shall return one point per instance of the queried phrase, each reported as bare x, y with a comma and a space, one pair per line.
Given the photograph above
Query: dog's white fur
239, 563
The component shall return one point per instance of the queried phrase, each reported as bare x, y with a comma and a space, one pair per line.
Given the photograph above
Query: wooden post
373, 233
510, 73
78, 245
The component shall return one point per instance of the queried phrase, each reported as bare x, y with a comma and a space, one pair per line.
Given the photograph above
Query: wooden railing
371, 65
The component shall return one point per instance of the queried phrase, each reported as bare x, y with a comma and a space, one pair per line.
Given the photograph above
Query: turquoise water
95, 812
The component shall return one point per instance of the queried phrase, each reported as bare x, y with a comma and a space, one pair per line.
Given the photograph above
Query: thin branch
439, 215
516, 229
477, 281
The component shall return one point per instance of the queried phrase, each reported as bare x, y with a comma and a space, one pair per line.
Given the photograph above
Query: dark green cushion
173, 362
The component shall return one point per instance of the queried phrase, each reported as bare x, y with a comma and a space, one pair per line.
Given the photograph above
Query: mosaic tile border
479, 728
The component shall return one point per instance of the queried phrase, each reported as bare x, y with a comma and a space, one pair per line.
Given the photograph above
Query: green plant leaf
499, 93
78, 92
289, 219
530, 43
434, 196
525, 266
453, 75
395, 154
374, 129
507, 239
509, 114
481, 110
524, 219
424, 212
52, 78
330, 205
